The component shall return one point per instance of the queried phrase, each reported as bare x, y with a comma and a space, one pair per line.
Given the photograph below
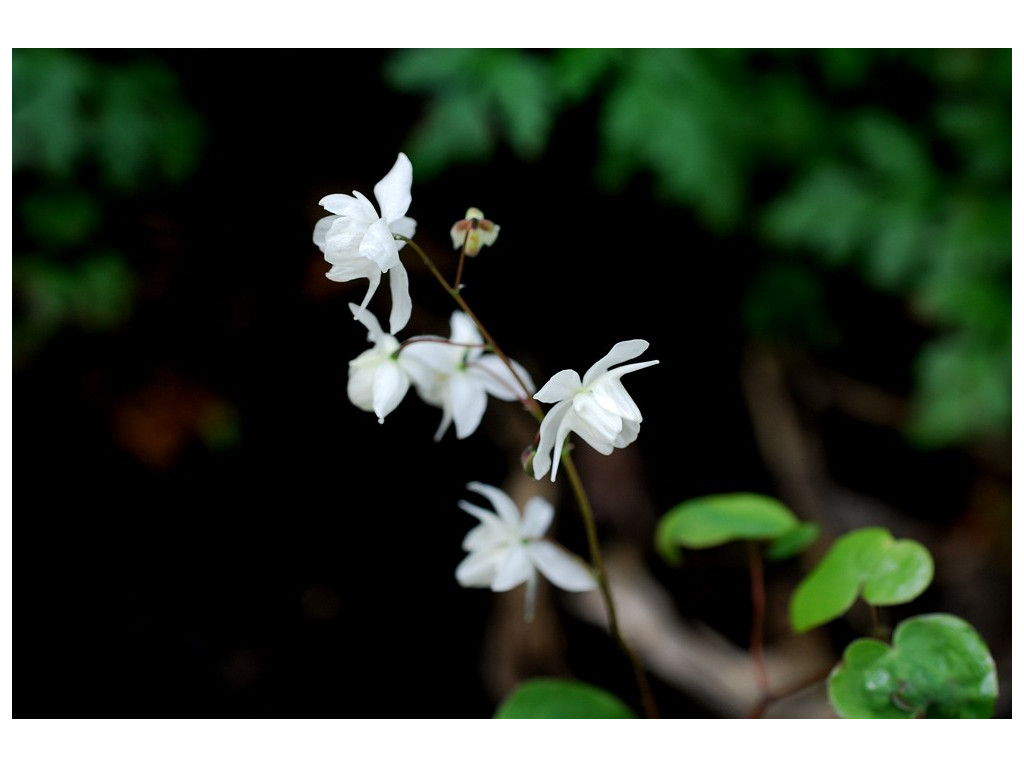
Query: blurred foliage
542, 698
892, 163
86, 135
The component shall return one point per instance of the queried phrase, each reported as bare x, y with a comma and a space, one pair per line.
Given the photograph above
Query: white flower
358, 242
598, 409
377, 380
506, 549
456, 375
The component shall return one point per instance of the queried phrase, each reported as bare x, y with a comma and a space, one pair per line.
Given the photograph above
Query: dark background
207, 527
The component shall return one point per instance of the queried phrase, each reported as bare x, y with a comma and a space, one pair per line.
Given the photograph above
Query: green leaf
550, 698
868, 561
712, 520
794, 541
938, 667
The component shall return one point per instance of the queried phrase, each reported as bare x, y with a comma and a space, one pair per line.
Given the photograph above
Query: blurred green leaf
670, 115
48, 129
828, 211
509, 96
712, 520
549, 698
965, 390
142, 127
95, 294
889, 148
937, 667
866, 561
576, 71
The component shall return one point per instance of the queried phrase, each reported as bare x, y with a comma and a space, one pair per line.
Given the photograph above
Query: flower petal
495, 377
503, 505
370, 290
566, 425
609, 393
606, 424
624, 350
369, 320
548, 430
468, 402
630, 430
514, 569
561, 568
489, 535
320, 230
379, 246
394, 191
404, 226
464, 330
538, 513
347, 205
401, 302
446, 421
478, 568
390, 383
562, 386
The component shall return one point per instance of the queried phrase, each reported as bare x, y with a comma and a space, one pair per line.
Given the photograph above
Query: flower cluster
454, 374
458, 373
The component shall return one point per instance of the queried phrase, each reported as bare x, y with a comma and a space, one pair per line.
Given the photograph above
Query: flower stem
757, 621
582, 500
650, 709
462, 261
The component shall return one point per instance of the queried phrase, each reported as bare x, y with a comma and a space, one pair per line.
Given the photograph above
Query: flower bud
474, 232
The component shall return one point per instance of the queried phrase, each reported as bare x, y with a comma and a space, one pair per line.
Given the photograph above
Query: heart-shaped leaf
712, 520
550, 698
937, 667
867, 561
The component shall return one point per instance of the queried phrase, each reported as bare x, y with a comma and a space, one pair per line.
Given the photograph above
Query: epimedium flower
456, 375
377, 379
506, 549
598, 408
475, 231
358, 242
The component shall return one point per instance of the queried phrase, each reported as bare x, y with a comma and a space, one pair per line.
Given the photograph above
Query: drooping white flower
456, 375
377, 380
359, 242
598, 408
506, 549
474, 232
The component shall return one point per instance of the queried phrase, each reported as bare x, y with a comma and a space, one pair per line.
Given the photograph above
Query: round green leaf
550, 698
794, 542
937, 667
868, 561
713, 520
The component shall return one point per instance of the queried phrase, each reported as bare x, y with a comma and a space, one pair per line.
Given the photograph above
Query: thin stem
583, 501
757, 620
587, 512
462, 260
